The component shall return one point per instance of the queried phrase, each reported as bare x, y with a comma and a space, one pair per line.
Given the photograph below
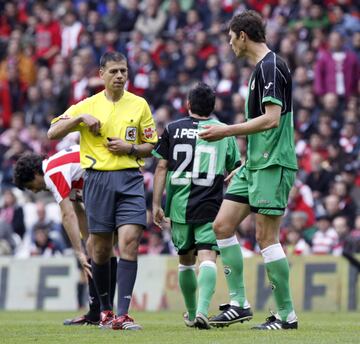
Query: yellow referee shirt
129, 119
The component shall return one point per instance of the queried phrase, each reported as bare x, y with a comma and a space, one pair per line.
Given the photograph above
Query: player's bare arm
269, 120
231, 174
65, 125
158, 190
71, 225
81, 216
119, 147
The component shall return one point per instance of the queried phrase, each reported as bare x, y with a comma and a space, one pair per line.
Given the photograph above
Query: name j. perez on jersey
185, 132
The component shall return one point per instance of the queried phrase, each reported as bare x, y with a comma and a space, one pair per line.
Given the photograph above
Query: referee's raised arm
64, 125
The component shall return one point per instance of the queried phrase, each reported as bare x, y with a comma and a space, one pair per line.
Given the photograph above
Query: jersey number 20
180, 178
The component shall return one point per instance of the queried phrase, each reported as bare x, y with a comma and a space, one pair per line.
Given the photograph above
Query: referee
116, 130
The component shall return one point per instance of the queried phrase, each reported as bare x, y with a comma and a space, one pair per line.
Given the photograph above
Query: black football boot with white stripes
273, 323
230, 315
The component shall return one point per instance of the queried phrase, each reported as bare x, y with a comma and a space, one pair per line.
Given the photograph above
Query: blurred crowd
49, 54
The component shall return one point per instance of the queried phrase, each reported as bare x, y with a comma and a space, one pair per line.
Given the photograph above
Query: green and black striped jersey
195, 177
271, 83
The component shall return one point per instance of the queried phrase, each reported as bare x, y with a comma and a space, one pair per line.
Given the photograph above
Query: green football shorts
266, 190
189, 236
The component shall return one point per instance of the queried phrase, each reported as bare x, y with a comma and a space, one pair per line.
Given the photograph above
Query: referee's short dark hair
111, 56
251, 23
25, 169
201, 100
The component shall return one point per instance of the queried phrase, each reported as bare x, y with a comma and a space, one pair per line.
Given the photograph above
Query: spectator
296, 244
12, 94
12, 214
48, 38
332, 206
346, 203
43, 244
129, 16
299, 221
156, 244
34, 111
337, 69
301, 200
319, 178
176, 18
193, 24
23, 63
151, 21
341, 226
325, 238
70, 33
155, 92
7, 241
349, 139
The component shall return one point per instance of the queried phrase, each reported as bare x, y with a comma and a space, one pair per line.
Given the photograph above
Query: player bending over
62, 175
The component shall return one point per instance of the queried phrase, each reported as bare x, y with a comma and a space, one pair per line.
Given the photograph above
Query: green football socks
188, 285
206, 283
277, 268
232, 260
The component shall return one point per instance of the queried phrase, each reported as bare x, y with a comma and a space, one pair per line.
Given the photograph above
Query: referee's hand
117, 146
92, 123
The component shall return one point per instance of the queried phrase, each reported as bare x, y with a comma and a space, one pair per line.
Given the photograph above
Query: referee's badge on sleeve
149, 133
130, 134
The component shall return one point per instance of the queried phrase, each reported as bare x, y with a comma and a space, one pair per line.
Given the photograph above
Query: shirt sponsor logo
268, 85
130, 133
149, 132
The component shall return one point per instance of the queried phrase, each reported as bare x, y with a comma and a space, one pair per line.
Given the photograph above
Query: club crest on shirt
149, 132
130, 134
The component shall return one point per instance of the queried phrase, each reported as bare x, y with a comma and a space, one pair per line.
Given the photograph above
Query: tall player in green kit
262, 185
193, 171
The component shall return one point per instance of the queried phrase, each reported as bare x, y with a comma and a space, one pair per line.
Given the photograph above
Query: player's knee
220, 229
187, 259
129, 248
101, 253
260, 238
265, 239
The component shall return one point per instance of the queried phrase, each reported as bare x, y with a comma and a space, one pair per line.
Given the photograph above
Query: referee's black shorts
113, 199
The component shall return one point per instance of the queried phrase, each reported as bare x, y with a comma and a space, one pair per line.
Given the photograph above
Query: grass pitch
167, 328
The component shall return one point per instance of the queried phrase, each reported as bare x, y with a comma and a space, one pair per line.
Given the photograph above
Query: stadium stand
48, 57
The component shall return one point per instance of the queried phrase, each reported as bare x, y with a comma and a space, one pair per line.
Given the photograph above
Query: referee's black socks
101, 276
126, 276
113, 272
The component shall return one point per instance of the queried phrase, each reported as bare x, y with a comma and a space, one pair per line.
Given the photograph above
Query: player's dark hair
111, 56
26, 167
201, 100
251, 23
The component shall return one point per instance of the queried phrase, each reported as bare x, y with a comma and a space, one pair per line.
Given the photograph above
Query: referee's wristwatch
133, 150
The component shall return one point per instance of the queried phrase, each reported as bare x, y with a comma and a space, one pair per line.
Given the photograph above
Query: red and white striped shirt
63, 173
324, 242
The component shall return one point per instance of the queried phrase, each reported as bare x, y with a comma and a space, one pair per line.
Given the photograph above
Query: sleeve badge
149, 133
